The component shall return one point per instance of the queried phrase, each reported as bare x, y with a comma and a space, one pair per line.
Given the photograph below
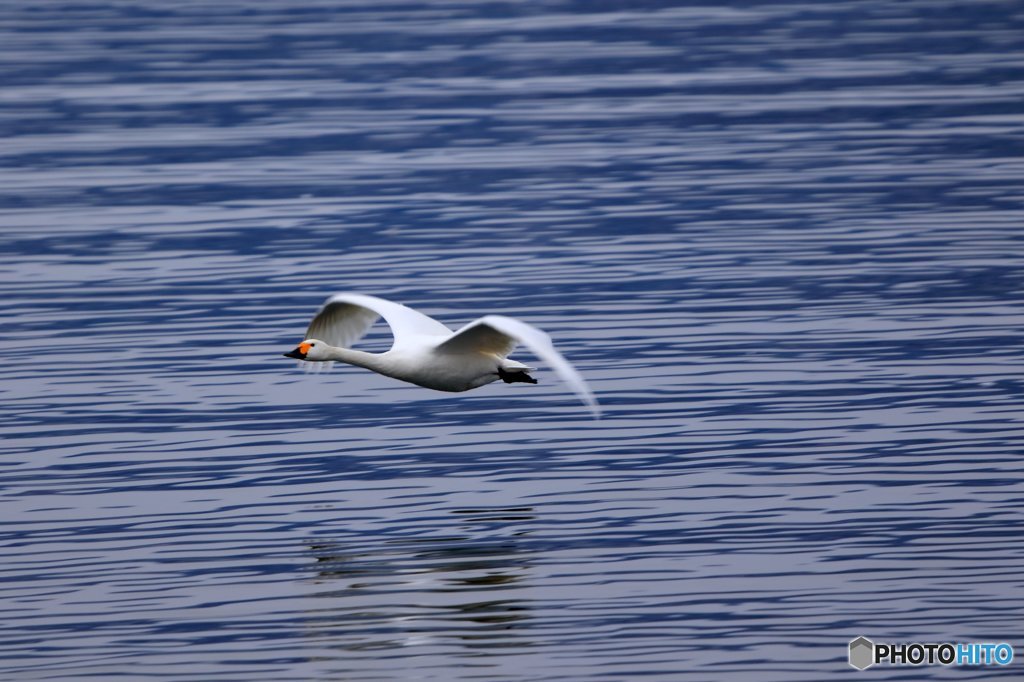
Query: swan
429, 354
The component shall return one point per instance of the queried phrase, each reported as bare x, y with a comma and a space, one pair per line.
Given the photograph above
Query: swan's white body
426, 352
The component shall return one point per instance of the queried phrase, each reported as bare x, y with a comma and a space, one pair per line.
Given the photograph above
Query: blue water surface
784, 242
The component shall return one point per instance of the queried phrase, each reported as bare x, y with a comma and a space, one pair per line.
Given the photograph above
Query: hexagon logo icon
862, 653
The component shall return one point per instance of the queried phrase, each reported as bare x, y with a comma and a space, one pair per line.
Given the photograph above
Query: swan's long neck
359, 358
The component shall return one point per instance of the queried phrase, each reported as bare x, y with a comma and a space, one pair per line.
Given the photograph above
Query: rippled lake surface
783, 242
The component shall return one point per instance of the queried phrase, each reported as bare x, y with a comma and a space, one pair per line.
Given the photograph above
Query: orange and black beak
300, 351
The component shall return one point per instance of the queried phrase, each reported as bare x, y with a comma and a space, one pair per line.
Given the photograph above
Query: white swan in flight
429, 354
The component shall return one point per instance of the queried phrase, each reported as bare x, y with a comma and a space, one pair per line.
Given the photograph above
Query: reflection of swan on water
425, 591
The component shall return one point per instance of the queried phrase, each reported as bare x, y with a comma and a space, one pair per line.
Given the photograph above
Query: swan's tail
515, 366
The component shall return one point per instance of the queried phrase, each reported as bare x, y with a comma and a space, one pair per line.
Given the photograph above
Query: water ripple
781, 241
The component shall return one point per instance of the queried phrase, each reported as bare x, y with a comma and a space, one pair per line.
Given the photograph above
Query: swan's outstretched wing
343, 319
499, 335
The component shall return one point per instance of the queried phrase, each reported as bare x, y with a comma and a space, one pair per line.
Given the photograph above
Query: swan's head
313, 350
